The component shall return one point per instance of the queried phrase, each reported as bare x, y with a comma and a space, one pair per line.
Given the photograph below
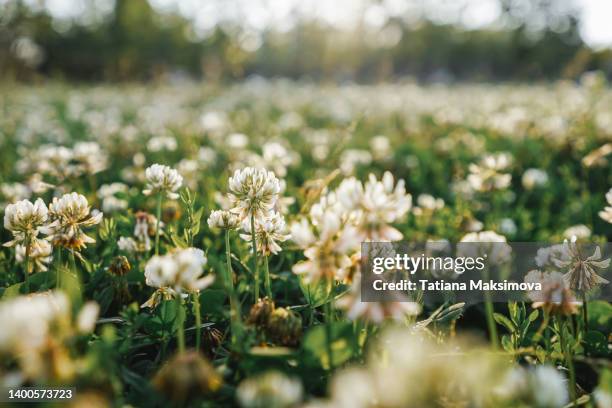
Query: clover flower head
606, 213
69, 215
162, 179
253, 191
582, 271
40, 254
490, 173
91, 157
376, 312
555, 296
270, 389
375, 205
268, 232
179, 271
25, 220
223, 219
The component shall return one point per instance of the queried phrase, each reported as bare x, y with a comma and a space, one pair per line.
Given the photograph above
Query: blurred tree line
137, 42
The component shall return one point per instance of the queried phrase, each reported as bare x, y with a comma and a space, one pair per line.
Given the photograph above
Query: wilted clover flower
269, 390
69, 214
555, 296
606, 213
489, 174
284, 327
223, 219
25, 221
260, 312
180, 270
268, 231
582, 271
186, 376
162, 179
253, 191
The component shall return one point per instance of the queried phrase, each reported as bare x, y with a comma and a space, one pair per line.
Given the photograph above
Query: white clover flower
180, 271
69, 215
268, 231
328, 241
534, 178
253, 191
490, 174
36, 313
25, 220
271, 389
606, 213
429, 202
86, 319
555, 295
39, 256
381, 147
352, 158
485, 243
278, 158
375, 205
223, 219
108, 194
127, 244
540, 387
13, 192
162, 179
90, 157
376, 312
579, 231
163, 142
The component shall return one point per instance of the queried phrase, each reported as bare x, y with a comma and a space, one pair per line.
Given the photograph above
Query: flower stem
568, 358
235, 318
26, 272
585, 313
255, 266
180, 333
328, 320
489, 310
198, 319
267, 278
158, 215
58, 268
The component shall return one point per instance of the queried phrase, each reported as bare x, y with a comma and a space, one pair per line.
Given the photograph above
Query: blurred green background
358, 40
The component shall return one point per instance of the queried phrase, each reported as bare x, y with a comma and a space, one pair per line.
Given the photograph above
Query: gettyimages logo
471, 271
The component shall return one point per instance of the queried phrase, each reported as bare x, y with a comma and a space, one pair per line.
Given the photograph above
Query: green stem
58, 268
180, 333
568, 360
328, 320
27, 264
235, 318
158, 215
267, 278
585, 313
255, 266
198, 318
489, 310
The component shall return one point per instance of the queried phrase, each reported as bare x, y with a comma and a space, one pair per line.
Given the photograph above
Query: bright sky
256, 14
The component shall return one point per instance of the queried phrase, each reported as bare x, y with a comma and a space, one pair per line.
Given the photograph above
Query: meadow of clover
199, 245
